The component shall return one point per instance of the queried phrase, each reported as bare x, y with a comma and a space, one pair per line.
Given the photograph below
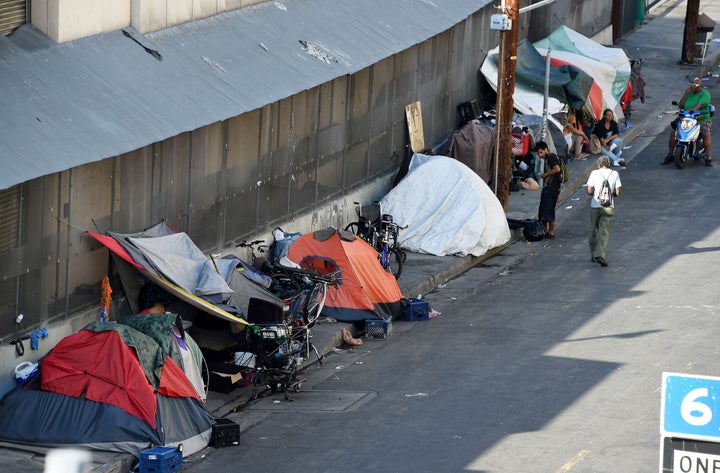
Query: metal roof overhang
65, 105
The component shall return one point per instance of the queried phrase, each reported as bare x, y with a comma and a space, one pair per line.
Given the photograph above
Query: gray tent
175, 263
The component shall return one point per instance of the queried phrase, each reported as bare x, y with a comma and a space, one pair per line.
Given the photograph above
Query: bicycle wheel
352, 227
362, 230
315, 303
394, 262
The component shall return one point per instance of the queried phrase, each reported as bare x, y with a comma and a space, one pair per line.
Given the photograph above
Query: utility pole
690, 36
507, 55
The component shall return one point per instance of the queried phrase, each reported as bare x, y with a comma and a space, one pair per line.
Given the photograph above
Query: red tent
367, 290
106, 388
107, 370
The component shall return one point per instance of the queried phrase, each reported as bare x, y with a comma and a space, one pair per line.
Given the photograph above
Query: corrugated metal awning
64, 105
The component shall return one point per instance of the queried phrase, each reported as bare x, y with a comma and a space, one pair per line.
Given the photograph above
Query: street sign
693, 461
689, 456
690, 407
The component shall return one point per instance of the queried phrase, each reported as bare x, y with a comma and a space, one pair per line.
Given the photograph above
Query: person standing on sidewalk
608, 132
601, 217
551, 187
695, 98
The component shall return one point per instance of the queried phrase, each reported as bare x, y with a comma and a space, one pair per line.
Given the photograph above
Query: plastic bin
416, 309
225, 433
160, 460
378, 329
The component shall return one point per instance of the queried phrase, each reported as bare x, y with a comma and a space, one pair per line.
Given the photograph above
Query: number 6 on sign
690, 407
689, 404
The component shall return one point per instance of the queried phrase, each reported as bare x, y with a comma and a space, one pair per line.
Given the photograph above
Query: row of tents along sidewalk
123, 386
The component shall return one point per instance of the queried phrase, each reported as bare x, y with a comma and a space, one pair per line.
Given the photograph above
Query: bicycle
304, 290
382, 234
390, 255
258, 261
310, 291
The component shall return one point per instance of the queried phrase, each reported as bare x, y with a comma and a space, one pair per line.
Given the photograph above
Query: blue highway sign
690, 407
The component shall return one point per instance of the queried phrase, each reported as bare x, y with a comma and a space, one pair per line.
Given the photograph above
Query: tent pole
546, 95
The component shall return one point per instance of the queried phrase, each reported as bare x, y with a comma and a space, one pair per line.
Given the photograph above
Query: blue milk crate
160, 460
416, 309
378, 328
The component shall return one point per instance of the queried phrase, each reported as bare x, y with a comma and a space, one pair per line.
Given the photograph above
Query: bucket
24, 371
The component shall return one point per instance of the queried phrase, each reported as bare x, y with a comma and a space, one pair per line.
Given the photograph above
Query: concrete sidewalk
658, 41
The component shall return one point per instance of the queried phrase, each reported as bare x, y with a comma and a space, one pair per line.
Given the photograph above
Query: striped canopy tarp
609, 67
584, 74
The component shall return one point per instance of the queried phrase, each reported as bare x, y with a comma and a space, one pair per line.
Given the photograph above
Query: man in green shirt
695, 98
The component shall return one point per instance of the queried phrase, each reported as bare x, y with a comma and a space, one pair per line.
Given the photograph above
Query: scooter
688, 142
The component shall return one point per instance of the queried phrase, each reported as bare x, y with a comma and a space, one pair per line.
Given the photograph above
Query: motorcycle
688, 142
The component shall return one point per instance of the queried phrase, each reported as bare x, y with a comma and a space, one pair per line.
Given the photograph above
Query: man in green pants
601, 216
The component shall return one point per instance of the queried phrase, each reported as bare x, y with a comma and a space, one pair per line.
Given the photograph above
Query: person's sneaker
708, 162
622, 162
601, 260
668, 159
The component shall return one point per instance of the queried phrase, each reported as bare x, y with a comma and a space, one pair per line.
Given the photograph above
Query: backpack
594, 146
564, 171
605, 196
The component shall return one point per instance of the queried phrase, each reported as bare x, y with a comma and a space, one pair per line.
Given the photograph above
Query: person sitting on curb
695, 98
609, 134
574, 137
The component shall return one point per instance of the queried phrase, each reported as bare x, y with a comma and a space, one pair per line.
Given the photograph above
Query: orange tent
367, 291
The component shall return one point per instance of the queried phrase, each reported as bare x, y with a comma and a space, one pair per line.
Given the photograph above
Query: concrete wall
153, 15
586, 17
56, 332
66, 20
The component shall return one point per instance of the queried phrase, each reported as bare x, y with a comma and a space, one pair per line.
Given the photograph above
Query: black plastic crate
225, 433
160, 460
469, 110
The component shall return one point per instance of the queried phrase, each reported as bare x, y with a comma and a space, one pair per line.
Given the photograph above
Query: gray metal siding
68, 104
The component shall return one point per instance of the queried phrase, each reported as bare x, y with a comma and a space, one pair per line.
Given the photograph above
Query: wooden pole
507, 56
690, 36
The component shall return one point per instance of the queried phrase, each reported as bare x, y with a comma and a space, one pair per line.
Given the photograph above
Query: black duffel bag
533, 230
